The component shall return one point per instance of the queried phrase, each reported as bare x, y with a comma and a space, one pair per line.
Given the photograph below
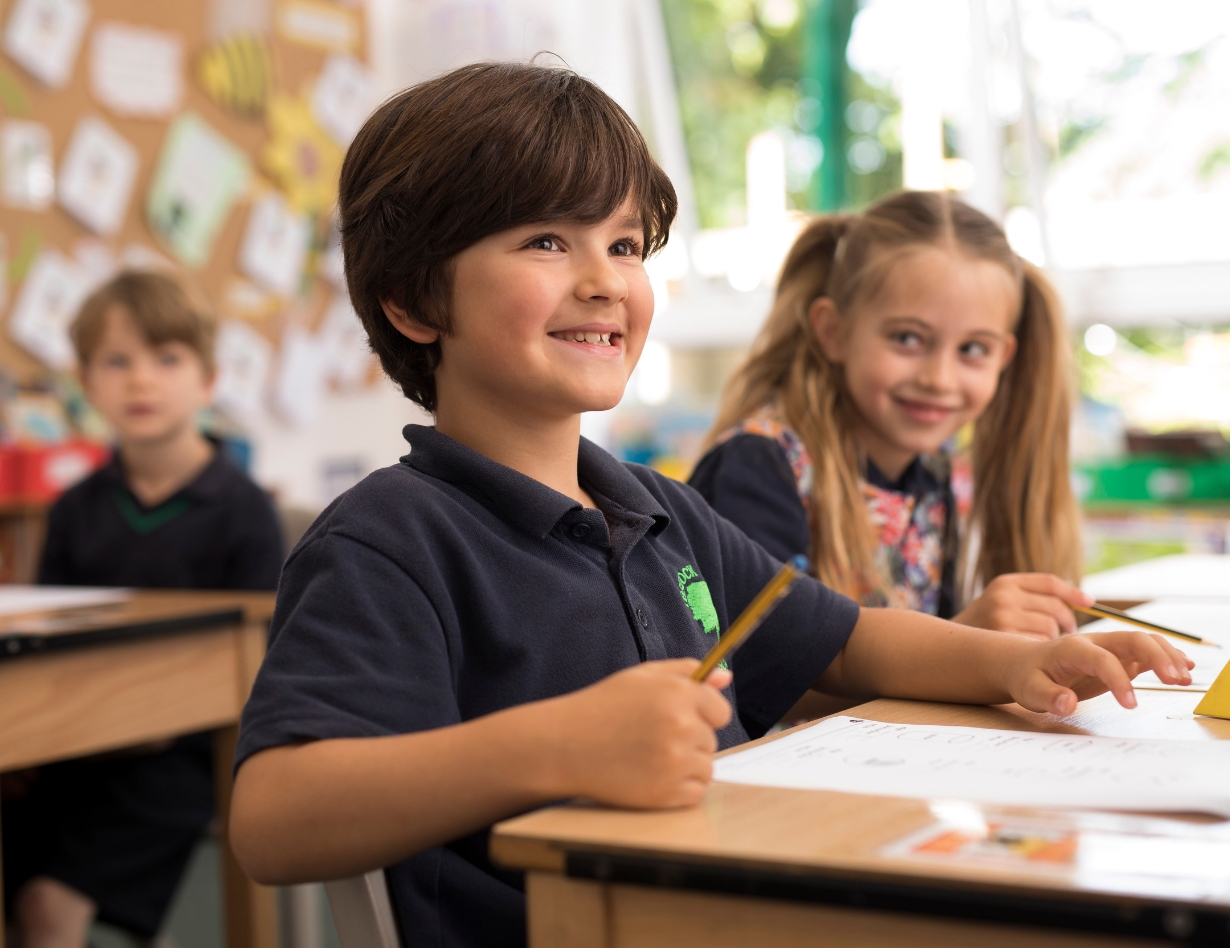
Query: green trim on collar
143, 521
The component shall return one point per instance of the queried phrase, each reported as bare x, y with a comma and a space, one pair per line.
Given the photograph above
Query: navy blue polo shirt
449, 586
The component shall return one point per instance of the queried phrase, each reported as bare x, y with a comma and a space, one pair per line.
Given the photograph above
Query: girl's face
924, 357
548, 319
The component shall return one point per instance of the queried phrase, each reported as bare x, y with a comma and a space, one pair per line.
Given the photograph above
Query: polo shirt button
580, 531
644, 619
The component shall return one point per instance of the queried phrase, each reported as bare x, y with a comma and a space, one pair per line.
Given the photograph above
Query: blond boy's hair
163, 309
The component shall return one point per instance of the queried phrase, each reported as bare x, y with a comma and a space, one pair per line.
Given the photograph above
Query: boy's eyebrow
633, 221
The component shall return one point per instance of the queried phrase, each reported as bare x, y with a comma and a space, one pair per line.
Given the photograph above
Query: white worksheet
97, 176
15, 600
1208, 619
137, 71
46, 306
44, 36
1008, 768
1182, 576
275, 244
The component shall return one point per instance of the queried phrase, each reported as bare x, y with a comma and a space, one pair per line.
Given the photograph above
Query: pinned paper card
200, 175
343, 97
97, 176
243, 299
44, 36
275, 244
300, 385
318, 23
347, 354
243, 356
29, 180
237, 73
1216, 701
136, 71
45, 308
303, 159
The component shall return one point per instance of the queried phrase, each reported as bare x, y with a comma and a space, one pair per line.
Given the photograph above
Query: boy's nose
601, 281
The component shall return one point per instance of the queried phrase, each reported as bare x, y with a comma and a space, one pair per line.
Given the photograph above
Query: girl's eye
625, 248
976, 350
543, 242
910, 340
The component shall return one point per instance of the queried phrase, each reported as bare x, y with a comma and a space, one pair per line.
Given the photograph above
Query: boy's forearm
334, 808
903, 654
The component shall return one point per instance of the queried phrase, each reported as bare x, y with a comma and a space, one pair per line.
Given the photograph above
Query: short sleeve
749, 482
356, 649
795, 644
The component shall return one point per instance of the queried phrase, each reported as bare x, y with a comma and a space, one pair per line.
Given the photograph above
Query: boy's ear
826, 324
407, 325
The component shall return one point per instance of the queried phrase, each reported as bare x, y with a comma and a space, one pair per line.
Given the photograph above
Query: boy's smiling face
548, 320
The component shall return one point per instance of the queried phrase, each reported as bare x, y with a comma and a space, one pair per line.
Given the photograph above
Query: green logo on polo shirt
695, 592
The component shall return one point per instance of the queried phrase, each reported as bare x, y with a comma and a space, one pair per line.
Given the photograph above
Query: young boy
509, 616
110, 837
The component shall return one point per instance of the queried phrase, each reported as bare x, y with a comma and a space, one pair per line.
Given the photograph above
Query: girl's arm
1034, 604
643, 737
899, 654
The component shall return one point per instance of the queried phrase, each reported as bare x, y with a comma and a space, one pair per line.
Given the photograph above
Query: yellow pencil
773, 593
1107, 612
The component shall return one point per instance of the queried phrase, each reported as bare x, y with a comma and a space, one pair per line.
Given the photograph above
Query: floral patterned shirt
916, 552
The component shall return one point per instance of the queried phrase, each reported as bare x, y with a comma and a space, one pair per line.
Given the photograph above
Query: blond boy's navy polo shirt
449, 586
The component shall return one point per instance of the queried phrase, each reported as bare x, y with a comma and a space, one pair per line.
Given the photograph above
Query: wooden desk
766, 866
97, 698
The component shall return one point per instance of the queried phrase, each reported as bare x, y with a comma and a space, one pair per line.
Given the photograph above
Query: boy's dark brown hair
163, 309
455, 159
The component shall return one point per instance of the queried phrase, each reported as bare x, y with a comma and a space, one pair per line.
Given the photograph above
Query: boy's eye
544, 242
115, 361
626, 248
168, 358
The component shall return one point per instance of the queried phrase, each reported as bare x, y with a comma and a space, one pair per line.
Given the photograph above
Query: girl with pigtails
896, 335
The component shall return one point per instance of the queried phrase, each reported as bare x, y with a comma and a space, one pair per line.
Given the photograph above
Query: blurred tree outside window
742, 68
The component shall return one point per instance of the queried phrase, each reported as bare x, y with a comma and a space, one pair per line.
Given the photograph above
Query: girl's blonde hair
1024, 514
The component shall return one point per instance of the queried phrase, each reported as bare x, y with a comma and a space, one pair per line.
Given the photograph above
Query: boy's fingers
714, 708
1044, 694
1108, 668
1150, 651
719, 678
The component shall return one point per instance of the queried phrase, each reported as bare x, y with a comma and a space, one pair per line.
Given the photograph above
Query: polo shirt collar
205, 486
527, 503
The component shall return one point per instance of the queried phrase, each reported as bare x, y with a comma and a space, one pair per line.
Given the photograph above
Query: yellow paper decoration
1216, 701
301, 157
237, 73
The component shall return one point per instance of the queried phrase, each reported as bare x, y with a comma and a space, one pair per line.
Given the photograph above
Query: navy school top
449, 586
217, 532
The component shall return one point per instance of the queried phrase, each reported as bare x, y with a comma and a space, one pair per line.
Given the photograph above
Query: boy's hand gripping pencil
1106, 612
758, 609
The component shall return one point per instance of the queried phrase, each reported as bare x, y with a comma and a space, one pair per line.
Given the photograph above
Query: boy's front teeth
593, 338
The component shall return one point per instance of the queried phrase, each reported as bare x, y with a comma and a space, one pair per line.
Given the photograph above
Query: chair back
362, 912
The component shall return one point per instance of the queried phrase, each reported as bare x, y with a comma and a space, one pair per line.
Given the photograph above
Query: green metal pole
826, 34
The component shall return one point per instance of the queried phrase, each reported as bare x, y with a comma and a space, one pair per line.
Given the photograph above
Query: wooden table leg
251, 909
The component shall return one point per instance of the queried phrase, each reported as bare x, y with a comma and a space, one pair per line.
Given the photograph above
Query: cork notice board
250, 74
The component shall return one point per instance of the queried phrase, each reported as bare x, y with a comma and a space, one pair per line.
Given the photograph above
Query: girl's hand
1033, 604
1061, 673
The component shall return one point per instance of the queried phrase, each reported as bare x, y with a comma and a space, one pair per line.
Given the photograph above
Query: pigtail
1024, 512
787, 369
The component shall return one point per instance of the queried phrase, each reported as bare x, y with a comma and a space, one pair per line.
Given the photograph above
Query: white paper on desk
1182, 576
97, 176
983, 765
44, 36
16, 600
300, 384
242, 356
343, 97
1209, 620
137, 71
46, 305
275, 244
29, 178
